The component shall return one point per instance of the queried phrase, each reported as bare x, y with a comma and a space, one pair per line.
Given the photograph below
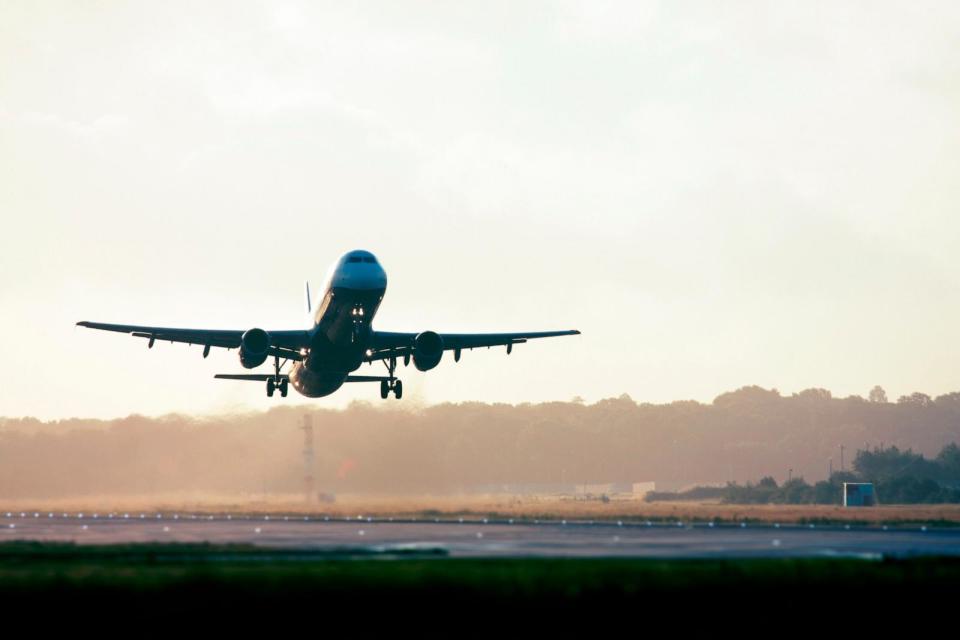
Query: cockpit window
369, 259
354, 259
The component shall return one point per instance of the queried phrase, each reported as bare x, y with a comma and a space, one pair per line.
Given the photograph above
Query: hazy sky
716, 194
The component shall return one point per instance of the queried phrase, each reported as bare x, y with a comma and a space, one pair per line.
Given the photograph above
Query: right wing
285, 344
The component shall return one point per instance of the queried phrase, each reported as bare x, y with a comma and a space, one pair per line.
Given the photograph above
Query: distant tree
877, 394
747, 396
949, 401
877, 465
910, 490
767, 482
815, 395
839, 477
949, 461
916, 398
796, 491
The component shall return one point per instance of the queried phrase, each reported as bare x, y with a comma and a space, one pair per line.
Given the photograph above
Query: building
858, 494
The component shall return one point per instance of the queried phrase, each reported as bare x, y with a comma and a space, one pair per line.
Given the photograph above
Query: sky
715, 194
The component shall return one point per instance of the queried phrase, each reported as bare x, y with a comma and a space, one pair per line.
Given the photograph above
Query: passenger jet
342, 338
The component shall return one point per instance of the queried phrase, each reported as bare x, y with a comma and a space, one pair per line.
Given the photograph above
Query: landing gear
273, 385
387, 386
393, 384
277, 382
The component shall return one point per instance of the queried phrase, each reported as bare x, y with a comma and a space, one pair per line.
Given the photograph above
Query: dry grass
553, 507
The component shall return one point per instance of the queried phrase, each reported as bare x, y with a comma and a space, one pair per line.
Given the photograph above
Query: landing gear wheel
384, 389
283, 388
398, 390
270, 388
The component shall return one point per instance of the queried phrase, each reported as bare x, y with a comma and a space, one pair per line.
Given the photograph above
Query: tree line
899, 477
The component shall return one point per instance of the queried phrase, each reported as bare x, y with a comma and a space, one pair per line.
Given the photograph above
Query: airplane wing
387, 344
286, 344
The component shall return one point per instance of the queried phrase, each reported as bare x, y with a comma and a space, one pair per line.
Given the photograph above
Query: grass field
233, 584
543, 507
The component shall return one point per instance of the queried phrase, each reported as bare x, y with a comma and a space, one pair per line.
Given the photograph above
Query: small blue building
858, 494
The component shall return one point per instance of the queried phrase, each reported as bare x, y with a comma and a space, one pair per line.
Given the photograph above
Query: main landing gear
277, 382
272, 386
393, 384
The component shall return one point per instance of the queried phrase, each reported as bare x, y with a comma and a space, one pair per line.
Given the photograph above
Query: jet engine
254, 345
427, 350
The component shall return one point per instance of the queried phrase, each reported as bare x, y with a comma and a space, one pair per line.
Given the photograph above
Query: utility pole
790, 474
308, 464
830, 470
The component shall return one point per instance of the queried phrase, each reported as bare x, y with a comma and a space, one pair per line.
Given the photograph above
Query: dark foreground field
229, 586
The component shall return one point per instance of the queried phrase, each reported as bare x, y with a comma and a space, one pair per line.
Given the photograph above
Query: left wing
387, 344
286, 344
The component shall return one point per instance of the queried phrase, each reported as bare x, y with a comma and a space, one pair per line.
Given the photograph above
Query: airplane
341, 339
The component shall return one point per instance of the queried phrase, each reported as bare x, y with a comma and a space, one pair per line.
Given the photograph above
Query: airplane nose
366, 277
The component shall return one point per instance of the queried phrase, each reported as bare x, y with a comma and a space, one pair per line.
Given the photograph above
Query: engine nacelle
254, 345
427, 350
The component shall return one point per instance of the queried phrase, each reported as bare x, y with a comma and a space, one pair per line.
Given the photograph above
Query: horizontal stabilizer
263, 377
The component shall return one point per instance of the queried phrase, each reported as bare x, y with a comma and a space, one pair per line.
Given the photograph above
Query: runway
485, 538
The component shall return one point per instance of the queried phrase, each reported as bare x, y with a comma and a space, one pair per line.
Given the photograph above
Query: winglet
309, 306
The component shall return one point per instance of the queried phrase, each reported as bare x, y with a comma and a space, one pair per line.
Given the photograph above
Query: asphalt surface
478, 538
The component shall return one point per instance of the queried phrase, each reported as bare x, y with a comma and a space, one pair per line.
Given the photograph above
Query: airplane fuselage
341, 330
